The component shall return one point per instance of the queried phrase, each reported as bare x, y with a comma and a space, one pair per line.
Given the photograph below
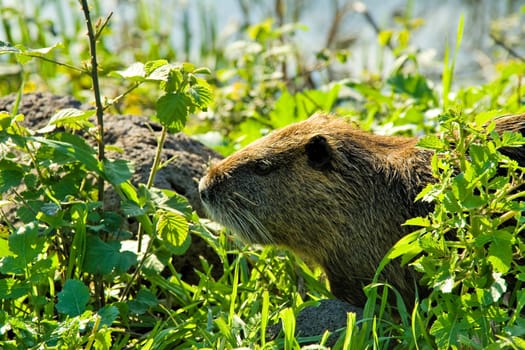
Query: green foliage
472, 243
76, 275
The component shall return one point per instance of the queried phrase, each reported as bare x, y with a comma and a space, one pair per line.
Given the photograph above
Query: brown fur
330, 192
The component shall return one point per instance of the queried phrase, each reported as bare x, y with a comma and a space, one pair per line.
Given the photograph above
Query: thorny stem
96, 89
99, 112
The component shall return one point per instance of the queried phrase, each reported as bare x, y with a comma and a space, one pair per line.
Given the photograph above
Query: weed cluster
74, 275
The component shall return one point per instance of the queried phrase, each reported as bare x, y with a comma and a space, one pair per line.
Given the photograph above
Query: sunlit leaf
431, 142
135, 72
172, 111
173, 229
71, 118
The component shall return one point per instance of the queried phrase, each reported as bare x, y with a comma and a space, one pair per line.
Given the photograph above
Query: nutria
330, 192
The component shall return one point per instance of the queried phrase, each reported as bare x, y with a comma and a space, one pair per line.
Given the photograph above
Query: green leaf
201, 94
160, 73
447, 329
71, 118
117, 171
173, 229
417, 221
73, 151
26, 243
130, 209
108, 315
431, 142
151, 66
73, 298
103, 258
13, 289
407, 247
414, 85
4, 247
500, 252
135, 72
172, 111
484, 117
143, 301
10, 179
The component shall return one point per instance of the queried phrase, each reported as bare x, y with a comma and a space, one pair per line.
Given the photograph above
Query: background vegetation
74, 275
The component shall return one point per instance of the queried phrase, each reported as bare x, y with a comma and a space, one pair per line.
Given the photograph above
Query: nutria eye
318, 152
262, 167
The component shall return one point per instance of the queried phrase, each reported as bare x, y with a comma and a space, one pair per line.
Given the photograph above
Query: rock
137, 136
38, 107
330, 315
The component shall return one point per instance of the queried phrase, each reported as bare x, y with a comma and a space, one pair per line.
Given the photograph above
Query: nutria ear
318, 151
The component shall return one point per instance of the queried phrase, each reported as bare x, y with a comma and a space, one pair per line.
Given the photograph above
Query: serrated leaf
135, 72
71, 151
71, 118
201, 94
172, 229
73, 298
172, 111
151, 66
117, 171
431, 142
161, 73
407, 247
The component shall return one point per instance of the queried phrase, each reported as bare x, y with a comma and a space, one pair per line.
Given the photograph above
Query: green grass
72, 276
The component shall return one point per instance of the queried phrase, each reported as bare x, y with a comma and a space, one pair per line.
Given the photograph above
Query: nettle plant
470, 249
58, 236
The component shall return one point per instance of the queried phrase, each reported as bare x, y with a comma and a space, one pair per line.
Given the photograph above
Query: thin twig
122, 95
510, 50
58, 63
96, 89
103, 25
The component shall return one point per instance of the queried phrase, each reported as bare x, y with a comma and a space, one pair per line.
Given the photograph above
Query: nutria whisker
237, 194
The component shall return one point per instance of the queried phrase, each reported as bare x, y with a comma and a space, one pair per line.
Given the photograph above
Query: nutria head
327, 190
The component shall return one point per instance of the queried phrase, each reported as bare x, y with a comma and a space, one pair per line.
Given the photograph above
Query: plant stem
96, 89
154, 168
156, 160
